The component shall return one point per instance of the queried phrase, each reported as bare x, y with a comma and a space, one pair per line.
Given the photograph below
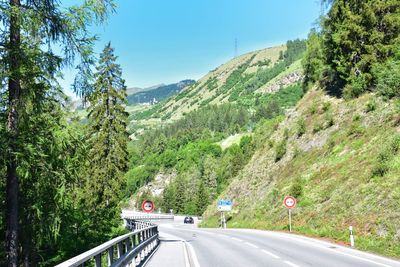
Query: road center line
270, 254
250, 244
237, 239
291, 264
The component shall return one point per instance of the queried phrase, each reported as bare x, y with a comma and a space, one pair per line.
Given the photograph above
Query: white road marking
353, 256
291, 264
309, 242
185, 253
250, 244
194, 256
237, 239
270, 254
324, 245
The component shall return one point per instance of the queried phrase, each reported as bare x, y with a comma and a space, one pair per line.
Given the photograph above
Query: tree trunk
14, 93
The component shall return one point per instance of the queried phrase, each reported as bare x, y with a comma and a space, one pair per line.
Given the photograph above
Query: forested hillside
186, 154
338, 151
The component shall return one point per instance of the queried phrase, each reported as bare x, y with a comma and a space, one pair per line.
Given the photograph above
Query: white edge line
185, 253
271, 254
291, 264
194, 256
237, 239
325, 245
250, 244
309, 242
354, 256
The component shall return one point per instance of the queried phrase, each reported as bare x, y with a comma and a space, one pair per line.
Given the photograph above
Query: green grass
336, 180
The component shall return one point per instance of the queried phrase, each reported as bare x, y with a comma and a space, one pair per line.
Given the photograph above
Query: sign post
224, 205
351, 236
290, 202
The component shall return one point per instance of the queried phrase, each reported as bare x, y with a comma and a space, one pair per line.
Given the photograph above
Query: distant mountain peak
156, 93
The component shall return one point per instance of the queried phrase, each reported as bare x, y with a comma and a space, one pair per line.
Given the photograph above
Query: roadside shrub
387, 78
357, 86
356, 118
301, 127
326, 106
296, 189
355, 129
286, 134
329, 121
384, 157
381, 167
313, 109
280, 150
371, 106
318, 127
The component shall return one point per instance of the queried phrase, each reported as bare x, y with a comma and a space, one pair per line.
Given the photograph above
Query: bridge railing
135, 215
127, 250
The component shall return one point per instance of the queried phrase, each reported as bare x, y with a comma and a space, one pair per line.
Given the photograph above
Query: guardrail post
97, 260
110, 256
120, 249
127, 244
132, 238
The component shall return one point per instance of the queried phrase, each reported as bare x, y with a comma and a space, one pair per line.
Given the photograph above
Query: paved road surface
189, 246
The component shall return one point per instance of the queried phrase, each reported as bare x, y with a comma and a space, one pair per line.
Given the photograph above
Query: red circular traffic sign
290, 202
147, 206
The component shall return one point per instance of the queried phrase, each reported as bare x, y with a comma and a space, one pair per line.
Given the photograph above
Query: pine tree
357, 35
202, 198
169, 198
313, 61
30, 31
108, 138
210, 176
180, 193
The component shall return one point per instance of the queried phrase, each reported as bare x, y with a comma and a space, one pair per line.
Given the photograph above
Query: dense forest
356, 49
59, 177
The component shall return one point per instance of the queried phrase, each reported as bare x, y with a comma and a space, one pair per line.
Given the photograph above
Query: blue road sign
224, 205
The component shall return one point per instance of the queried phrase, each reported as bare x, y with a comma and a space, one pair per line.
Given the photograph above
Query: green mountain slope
340, 159
181, 143
235, 81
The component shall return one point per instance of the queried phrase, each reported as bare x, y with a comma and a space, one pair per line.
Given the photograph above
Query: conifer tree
30, 31
357, 35
108, 138
202, 198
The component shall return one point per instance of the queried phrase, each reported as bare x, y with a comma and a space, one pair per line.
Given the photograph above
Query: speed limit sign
147, 206
290, 202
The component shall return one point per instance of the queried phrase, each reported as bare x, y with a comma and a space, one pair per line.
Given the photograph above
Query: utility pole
236, 48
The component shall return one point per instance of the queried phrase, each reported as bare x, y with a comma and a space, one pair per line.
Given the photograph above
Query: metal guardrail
127, 250
134, 215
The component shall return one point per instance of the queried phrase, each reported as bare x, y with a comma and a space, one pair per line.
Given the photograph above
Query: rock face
156, 187
283, 82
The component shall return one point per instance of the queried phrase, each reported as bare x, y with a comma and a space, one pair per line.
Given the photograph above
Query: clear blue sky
165, 41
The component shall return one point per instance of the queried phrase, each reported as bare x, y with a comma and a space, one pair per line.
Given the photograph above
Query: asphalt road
189, 246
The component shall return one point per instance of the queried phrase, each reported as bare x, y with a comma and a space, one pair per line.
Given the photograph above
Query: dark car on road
188, 220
